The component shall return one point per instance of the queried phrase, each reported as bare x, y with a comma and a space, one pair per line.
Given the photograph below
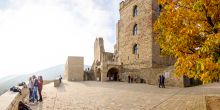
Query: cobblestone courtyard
123, 96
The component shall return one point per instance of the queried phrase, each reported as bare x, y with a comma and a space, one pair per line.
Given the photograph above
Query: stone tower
98, 49
135, 45
74, 68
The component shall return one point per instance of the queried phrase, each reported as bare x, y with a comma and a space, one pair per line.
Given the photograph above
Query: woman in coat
40, 87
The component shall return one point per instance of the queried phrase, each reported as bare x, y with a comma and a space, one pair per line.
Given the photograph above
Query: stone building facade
135, 52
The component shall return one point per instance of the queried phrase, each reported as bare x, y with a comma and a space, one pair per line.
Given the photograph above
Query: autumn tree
190, 31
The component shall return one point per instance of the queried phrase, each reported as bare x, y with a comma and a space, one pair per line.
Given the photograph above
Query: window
135, 29
135, 11
135, 49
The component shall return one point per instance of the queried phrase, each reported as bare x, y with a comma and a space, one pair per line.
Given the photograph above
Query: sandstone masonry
136, 52
74, 69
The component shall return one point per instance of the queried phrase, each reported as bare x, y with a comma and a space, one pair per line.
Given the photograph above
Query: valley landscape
48, 74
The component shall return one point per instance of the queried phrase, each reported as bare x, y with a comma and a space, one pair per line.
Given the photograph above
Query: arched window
135, 11
135, 49
135, 29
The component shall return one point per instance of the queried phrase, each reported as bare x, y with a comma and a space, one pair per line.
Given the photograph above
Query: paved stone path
123, 96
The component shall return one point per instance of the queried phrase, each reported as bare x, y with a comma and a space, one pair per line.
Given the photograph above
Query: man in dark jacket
159, 81
162, 81
129, 78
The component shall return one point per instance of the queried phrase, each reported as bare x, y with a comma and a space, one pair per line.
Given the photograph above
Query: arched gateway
113, 74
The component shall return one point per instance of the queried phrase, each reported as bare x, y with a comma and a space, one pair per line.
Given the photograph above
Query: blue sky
4, 3
36, 34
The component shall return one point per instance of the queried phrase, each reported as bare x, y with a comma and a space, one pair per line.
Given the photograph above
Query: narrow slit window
135, 29
135, 11
135, 49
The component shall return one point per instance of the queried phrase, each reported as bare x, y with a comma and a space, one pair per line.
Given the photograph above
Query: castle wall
107, 57
158, 60
151, 76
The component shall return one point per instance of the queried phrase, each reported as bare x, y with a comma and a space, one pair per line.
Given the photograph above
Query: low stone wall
47, 82
151, 76
10, 100
57, 82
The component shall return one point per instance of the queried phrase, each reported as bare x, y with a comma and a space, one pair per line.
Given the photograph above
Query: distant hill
51, 73
48, 74
12, 80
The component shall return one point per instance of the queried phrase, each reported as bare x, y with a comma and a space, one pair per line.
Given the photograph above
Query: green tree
190, 31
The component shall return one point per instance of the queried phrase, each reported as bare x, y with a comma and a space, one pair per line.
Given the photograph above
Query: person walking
40, 87
30, 87
129, 78
60, 78
159, 81
35, 89
162, 81
132, 79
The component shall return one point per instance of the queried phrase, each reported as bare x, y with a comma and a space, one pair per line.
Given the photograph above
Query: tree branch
209, 20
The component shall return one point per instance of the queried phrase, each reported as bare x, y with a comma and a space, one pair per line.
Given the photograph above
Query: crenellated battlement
124, 3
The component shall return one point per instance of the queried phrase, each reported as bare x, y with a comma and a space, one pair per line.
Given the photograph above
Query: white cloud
36, 34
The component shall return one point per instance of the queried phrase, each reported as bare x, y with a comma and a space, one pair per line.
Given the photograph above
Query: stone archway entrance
113, 74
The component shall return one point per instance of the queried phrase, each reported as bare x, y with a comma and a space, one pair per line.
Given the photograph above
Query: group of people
161, 81
130, 79
35, 86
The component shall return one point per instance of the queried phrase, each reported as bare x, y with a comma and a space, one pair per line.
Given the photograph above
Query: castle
135, 53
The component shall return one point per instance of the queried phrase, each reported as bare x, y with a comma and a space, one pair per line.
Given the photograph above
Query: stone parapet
10, 100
